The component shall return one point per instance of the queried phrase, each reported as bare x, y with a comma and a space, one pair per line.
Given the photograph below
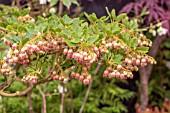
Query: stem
145, 73
62, 100
31, 110
60, 10
18, 4
143, 89
86, 96
44, 108
71, 96
17, 93
89, 87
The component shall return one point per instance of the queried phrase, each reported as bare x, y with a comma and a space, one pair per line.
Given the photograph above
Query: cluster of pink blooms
22, 56
56, 76
31, 79
142, 41
119, 72
131, 61
109, 43
85, 56
84, 77
139, 60
5, 69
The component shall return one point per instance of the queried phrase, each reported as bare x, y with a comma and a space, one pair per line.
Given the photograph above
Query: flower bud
86, 81
119, 67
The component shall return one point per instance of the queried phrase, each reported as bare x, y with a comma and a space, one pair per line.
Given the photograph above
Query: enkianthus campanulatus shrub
47, 47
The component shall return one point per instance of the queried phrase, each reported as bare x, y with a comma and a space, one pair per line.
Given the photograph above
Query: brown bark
17, 93
44, 106
62, 99
89, 87
31, 110
71, 96
86, 96
60, 9
145, 73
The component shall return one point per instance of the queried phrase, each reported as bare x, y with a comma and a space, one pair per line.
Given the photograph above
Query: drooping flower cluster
31, 79
84, 77
59, 77
17, 55
5, 69
84, 57
160, 30
111, 72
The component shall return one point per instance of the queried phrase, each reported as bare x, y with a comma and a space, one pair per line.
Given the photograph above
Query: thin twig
89, 87
31, 110
53, 94
86, 96
71, 96
43, 110
17, 93
60, 9
18, 4
62, 99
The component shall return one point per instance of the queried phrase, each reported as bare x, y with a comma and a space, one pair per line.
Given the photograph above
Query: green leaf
67, 3
24, 41
53, 2
74, 2
133, 25
92, 39
113, 13
109, 55
25, 11
66, 64
166, 53
141, 30
20, 28
69, 43
117, 59
167, 94
29, 35
2, 47
121, 17
120, 35
41, 27
108, 12
92, 18
167, 45
15, 11
2, 25
109, 32
67, 19
104, 18
9, 39
9, 28
1, 35
16, 38
115, 28
143, 49
133, 42
75, 38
